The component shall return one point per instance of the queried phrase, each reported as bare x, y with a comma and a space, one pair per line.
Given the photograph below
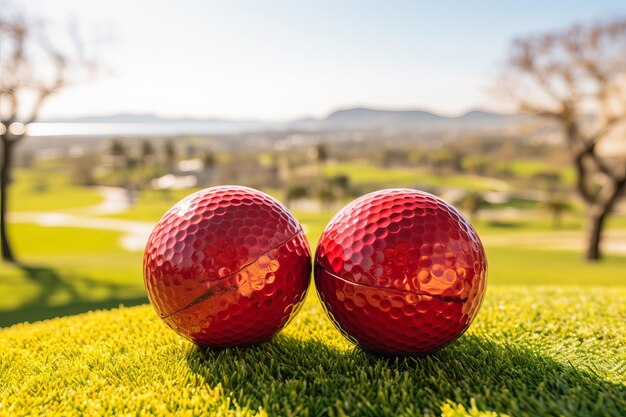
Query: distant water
141, 129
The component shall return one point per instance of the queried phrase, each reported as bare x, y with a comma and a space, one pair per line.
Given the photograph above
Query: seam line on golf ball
205, 295
435, 296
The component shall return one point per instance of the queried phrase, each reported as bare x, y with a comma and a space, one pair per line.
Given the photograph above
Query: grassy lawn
527, 168
543, 350
152, 204
362, 173
44, 191
67, 271
540, 221
536, 267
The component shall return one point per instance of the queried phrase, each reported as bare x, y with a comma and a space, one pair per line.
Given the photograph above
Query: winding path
136, 233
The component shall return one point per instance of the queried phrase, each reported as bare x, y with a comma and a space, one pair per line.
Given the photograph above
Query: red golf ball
400, 272
227, 266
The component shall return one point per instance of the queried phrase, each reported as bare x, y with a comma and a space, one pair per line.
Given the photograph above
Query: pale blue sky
285, 59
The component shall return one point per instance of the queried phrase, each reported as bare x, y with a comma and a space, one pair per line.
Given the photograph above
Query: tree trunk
597, 216
5, 172
596, 226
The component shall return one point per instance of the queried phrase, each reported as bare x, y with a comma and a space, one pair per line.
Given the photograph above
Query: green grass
540, 351
540, 221
371, 174
367, 174
67, 271
536, 267
44, 191
314, 224
527, 168
152, 204
44, 241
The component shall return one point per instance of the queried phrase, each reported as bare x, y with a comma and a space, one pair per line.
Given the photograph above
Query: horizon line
160, 115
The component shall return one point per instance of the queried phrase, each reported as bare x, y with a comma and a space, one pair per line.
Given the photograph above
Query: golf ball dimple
400, 272
227, 266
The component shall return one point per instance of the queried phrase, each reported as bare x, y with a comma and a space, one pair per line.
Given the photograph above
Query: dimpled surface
400, 272
227, 266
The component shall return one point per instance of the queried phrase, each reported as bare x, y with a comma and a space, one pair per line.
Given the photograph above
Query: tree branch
11, 97
588, 147
526, 107
43, 95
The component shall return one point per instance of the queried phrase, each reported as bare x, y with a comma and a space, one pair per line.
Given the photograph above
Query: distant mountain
486, 116
359, 118
374, 119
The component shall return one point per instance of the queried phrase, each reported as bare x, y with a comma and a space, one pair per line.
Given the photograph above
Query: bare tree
32, 69
577, 78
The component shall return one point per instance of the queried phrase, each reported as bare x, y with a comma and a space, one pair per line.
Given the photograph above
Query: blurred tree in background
170, 155
122, 159
147, 152
31, 67
118, 150
321, 153
295, 192
577, 78
473, 202
557, 205
209, 160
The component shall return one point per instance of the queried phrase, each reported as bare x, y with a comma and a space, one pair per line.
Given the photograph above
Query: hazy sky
286, 59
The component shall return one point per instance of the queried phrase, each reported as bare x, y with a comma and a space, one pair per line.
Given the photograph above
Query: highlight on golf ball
227, 266
400, 272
